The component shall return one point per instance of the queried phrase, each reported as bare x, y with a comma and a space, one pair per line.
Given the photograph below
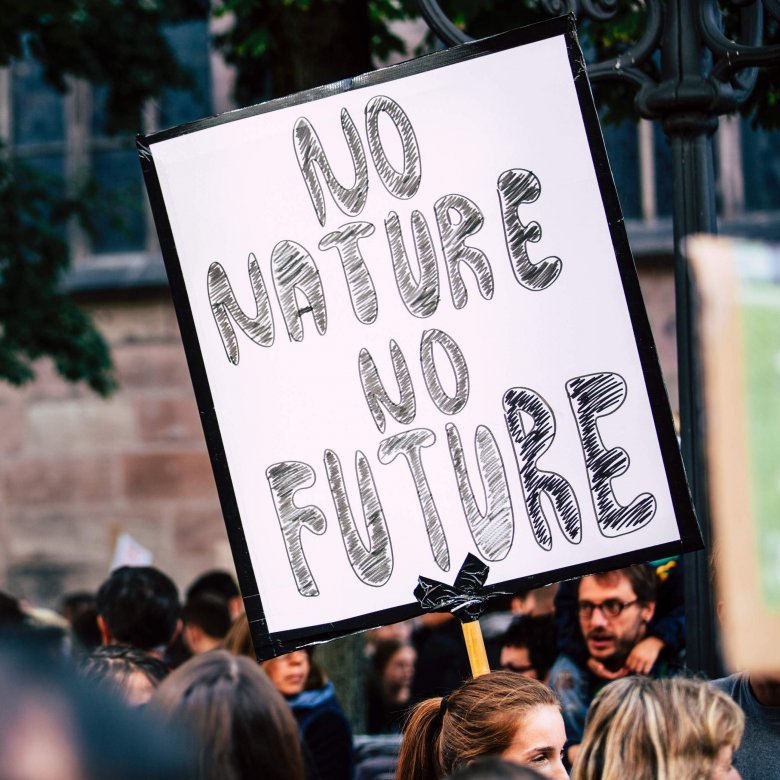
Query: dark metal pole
684, 62
694, 208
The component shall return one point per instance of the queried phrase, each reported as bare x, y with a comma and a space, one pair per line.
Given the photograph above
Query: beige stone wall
77, 470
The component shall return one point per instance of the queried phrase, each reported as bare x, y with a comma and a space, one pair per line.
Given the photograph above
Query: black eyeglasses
610, 608
517, 668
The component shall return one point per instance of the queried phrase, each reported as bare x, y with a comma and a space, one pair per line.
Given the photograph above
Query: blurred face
400, 669
288, 672
610, 637
518, 659
723, 768
539, 742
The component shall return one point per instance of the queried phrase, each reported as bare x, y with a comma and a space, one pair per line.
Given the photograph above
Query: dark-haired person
529, 646
139, 606
325, 731
11, 614
206, 622
500, 714
130, 672
218, 583
614, 610
388, 687
80, 610
242, 728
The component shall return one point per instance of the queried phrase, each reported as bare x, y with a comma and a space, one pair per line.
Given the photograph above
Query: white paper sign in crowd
415, 332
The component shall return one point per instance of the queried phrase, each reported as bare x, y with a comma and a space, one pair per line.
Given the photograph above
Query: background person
238, 640
139, 606
442, 661
325, 731
388, 687
614, 610
130, 672
206, 622
221, 584
498, 714
242, 727
529, 646
665, 631
759, 697
80, 610
671, 729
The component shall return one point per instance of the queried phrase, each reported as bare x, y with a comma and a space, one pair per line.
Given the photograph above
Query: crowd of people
589, 681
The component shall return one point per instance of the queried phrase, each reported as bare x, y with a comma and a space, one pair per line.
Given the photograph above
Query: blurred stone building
78, 470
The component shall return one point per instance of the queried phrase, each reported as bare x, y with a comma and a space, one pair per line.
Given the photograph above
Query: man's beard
617, 658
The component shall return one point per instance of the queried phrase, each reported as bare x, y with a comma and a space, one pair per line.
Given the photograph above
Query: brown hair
480, 718
648, 729
641, 576
238, 640
243, 727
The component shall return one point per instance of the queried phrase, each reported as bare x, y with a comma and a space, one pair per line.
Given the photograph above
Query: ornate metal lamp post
703, 74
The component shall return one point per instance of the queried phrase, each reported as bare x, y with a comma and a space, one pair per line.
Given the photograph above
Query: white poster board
417, 282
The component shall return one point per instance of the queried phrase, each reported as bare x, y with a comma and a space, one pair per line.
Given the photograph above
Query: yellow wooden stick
475, 647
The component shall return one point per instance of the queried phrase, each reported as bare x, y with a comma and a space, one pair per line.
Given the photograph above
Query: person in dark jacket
324, 728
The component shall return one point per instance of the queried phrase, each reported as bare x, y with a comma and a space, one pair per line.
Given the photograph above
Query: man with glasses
614, 610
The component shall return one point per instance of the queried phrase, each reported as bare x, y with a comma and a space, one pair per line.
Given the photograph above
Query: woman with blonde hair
499, 714
670, 729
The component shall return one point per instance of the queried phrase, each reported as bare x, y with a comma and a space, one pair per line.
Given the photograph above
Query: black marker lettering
419, 292
376, 395
493, 531
444, 403
529, 446
516, 187
224, 305
591, 397
372, 563
309, 151
459, 218
362, 292
403, 184
285, 479
410, 444
293, 269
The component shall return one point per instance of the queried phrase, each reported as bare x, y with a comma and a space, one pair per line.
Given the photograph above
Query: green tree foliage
118, 44
36, 318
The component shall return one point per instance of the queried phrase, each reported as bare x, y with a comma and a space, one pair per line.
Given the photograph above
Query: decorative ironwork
702, 74
691, 26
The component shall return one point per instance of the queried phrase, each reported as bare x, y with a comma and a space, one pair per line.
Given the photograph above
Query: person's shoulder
729, 685
329, 726
565, 673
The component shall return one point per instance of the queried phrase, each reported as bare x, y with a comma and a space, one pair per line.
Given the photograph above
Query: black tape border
268, 644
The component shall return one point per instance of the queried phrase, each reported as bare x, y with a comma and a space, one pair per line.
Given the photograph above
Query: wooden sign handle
475, 647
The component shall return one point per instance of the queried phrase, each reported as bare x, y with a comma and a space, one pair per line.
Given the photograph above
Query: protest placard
738, 285
415, 332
